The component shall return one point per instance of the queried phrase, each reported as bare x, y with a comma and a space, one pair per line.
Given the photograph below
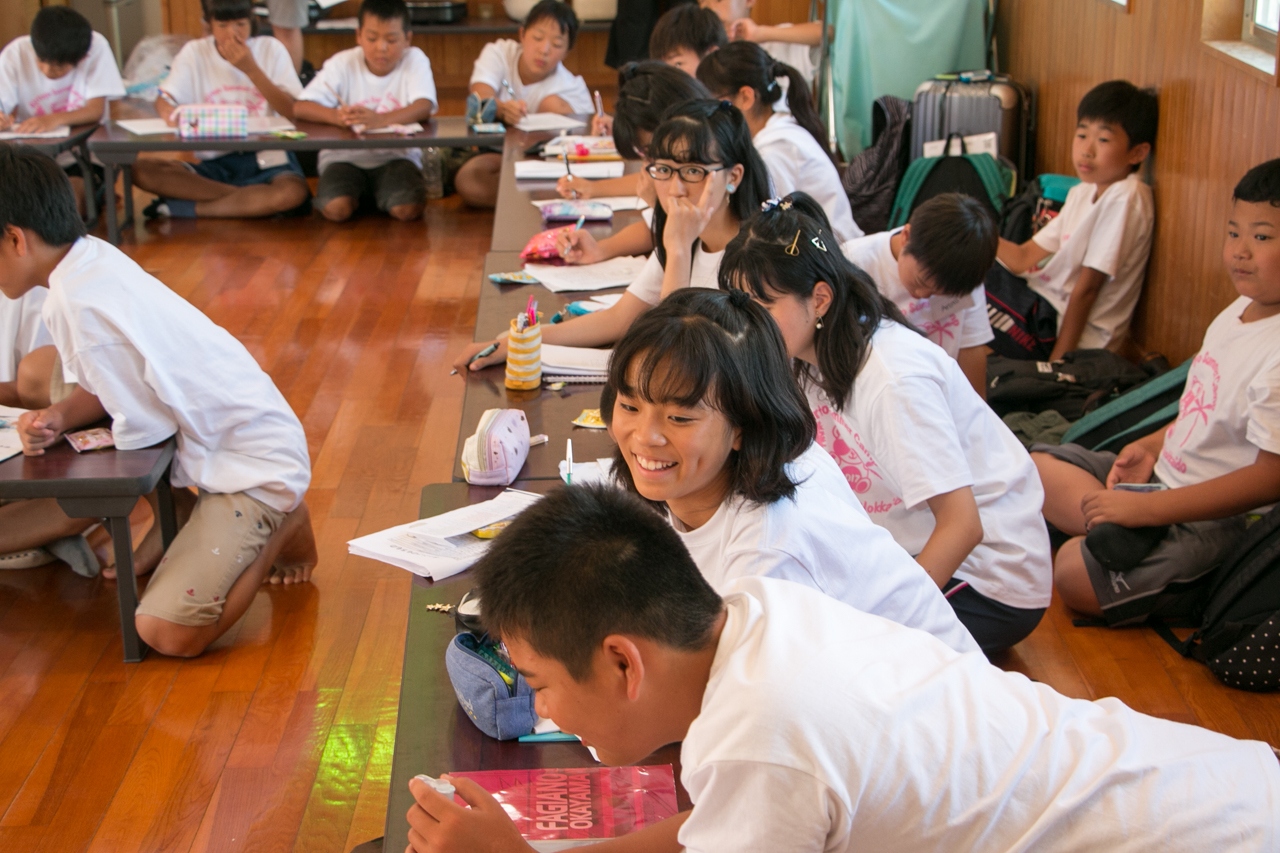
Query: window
1261, 23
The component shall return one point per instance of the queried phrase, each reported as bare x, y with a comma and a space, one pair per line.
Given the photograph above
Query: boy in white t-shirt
227, 67
790, 43
63, 73
932, 269
1220, 460
384, 80
805, 724
161, 368
522, 77
1101, 239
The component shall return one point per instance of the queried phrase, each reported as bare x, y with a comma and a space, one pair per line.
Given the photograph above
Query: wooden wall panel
1216, 121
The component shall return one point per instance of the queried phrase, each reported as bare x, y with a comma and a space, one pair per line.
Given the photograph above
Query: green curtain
889, 47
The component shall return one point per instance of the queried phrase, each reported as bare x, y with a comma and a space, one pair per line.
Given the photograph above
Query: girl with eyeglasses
708, 180
785, 126
646, 90
713, 431
921, 451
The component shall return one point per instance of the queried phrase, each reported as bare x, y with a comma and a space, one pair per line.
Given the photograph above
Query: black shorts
1170, 581
995, 625
395, 183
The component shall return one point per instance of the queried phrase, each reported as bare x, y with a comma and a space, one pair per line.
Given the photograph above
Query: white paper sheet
412, 127
553, 170
473, 517
154, 126
981, 143
549, 121
10, 444
615, 202
338, 24
587, 472
615, 272
574, 361
62, 131
399, 546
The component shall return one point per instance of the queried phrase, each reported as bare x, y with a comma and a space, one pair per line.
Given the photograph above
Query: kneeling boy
808, 725
159, 368
932, 269
1220, 459
227, 67
382, 81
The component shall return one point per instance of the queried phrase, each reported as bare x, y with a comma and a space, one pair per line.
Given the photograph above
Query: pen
529, 309
510, 91
568, 460
576, 226
599, 104
484, 353
565, 154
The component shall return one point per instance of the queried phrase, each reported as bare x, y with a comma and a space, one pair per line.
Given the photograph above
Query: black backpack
1239, 633
871, 179
1085, 378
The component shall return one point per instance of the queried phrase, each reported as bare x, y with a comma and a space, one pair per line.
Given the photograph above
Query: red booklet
581, 803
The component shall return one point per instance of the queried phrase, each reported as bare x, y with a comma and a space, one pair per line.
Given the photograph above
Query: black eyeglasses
691, 173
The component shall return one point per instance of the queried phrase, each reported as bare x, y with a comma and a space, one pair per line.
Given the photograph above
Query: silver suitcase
943, 107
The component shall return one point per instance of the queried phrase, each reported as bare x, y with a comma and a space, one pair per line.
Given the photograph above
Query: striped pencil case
209, 121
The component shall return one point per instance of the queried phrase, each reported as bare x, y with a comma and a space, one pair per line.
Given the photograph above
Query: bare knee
339, 209
170, 638
477, 180
1071, 578
290, 192
35, 372
406, 212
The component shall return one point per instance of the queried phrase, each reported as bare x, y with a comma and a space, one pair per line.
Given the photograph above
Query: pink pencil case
91, 439
208, 121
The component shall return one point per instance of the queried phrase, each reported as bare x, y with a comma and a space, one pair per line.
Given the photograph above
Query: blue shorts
240, 169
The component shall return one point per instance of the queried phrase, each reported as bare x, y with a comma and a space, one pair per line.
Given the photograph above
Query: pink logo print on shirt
384, 104
248, 96
63, 100
1198, 400
937, 330
858, 467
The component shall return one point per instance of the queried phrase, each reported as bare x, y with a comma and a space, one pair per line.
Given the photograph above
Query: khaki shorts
223, 537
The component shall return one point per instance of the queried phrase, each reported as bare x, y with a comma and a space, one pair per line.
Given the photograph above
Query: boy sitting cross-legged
807, 725
382, 81
228, 67
1102, 238
161, 368
1220, 459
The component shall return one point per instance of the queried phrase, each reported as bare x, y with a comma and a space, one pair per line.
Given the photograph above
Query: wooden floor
280, 738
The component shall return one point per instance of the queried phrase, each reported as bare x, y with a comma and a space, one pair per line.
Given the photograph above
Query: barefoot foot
297, 556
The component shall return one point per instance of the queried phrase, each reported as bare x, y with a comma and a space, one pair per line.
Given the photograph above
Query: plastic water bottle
433, 171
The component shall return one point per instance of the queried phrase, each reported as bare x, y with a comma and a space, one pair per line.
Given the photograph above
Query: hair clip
793, 249
817, 241
769, 204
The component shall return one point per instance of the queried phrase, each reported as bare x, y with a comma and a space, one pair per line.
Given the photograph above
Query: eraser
439, 785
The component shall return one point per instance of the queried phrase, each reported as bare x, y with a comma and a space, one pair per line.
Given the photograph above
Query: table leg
109, 178
127, 589
168, 517
90, 191
127, 170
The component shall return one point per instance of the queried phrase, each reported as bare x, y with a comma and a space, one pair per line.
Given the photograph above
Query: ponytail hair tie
739, 298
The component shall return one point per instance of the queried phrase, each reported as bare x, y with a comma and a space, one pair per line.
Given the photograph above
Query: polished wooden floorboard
280, 737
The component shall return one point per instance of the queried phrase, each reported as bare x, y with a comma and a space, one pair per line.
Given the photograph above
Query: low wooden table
75, 142
433, 734
101, 484
117, 148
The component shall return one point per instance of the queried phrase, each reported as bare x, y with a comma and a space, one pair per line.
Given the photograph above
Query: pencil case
205, 121
542, 246
524, 357
494, 455
592, 211
496, 698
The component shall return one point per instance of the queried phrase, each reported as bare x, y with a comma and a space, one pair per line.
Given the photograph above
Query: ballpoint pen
484, 353
568, 461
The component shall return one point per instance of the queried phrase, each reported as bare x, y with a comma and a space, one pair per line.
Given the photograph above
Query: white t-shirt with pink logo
24, 88
914, 428
346, 80
1112, 235
952, 322
1230, 406
199, 75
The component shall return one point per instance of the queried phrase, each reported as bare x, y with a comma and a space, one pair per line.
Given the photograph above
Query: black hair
709, 132
386, 10
723, 350
227, 10
559, 12
955, 240
61, 35
1260, 184
35, 194
788, 248
646, 90
1119, 102
745, 63
586, 562
687, 26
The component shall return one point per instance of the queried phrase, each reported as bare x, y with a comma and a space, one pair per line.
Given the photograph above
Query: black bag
1139, 411
1024, 323
1082, 380
871, 179
1239, 633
